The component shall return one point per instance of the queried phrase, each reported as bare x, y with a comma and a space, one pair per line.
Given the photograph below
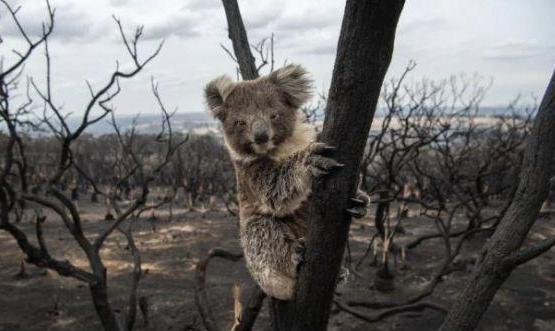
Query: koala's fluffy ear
294, 83
215, 94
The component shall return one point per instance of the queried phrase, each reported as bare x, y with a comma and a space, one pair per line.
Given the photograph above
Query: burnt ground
46, 301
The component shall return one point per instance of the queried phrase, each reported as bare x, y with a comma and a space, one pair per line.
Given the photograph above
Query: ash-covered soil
44, 300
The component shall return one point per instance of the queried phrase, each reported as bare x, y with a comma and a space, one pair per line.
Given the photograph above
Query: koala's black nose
261, 137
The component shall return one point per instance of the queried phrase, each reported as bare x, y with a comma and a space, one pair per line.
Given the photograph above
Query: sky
511, 42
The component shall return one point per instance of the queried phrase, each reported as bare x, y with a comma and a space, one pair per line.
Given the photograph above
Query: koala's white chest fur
303, 136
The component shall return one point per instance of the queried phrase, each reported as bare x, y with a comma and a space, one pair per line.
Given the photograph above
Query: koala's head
259, 115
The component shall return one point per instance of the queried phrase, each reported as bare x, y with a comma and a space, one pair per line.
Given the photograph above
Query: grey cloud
70, 23
305, 23
28, 16
320, 49
302, 31
321, 41
203, 5
518, 49
118, 3
179, 26
421, 25
76, 25
289, 28
259, 22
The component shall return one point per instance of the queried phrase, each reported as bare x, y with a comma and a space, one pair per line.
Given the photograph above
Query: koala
276, 157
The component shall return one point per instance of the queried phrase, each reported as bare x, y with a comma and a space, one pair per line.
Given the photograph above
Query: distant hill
151, 123
195, 122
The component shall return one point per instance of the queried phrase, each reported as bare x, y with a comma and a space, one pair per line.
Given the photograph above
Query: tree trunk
238, 36
75, 194
99, 293
382, 210
364, 52
252, 304
363, 56
501, 255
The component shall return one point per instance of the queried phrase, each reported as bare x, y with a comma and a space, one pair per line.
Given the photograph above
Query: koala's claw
357, 212
321, 165
358, 205
325, 163
359, 202
320, 148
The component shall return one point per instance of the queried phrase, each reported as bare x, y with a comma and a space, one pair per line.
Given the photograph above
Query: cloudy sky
509, 41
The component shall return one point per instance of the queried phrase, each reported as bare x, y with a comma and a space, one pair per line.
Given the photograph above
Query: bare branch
201, 297
526, 254
388, 312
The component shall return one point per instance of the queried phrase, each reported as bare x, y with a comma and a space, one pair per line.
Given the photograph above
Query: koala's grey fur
275, 158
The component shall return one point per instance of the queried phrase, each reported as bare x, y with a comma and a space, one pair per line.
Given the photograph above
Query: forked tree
363, 55
503, 253
17, 199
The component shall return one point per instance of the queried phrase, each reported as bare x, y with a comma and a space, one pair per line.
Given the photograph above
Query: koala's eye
240, 123
274, 116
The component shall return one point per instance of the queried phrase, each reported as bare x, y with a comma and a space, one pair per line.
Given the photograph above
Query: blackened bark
99, 291
501, 254
381, 211
201, 296
251, 308
99, 294
240, 41
135, 279
363, 55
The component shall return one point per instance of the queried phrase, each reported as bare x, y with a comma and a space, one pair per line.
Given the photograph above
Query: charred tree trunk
384, 278
502, 254
144, 307
363, 55
238, 36
382, 210
99, 294
75, 194
251, 308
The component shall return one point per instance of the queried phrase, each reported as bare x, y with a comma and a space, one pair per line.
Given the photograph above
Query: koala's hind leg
272, 253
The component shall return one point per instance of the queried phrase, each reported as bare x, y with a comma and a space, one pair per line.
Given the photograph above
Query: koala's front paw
318, 163
358, 205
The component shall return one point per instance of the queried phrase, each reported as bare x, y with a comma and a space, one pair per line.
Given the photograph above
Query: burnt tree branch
492, 268
201, 296
526, 254
239, 39
371, 318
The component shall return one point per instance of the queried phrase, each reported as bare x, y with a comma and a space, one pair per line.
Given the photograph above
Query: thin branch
388, 312
201, 296
528, 253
